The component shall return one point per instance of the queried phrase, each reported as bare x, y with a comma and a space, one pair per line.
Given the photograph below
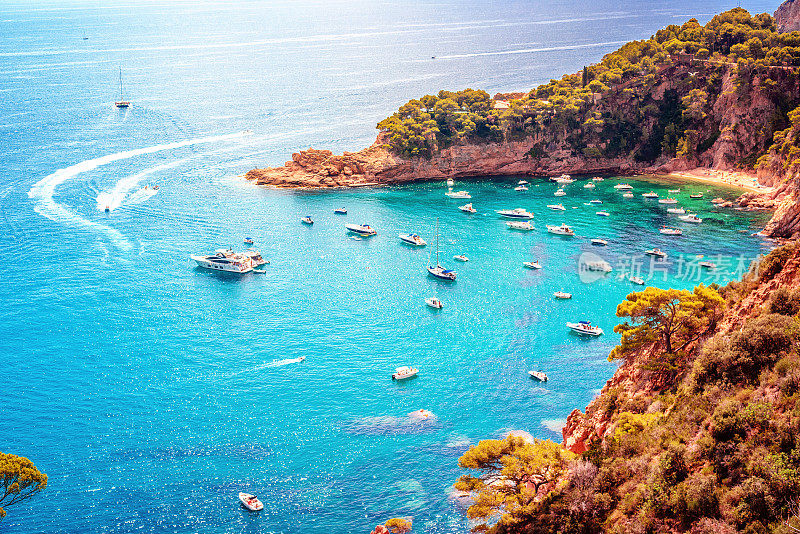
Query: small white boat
696, 195
564, 179
637, 280
603, 213
651, 194
676, 211
538, 375
557, 207
460, 257
585, 328
458, 194
668, 201
250, 502
517, 213
623, 187
670, 231
519, 225
522, 182
467, 208
707, 264
656, 252
401, 373
562, 295
560, 193
627, 195
590, 185
596, 201
307, 220
599, 242
520, 188
673, 191
361, 229
691, 218
433, 302
597, 179
562, 229
248, 241
532, 264
412, 239
450, 182
340, 211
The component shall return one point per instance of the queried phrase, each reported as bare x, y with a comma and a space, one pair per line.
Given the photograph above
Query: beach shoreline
738, 179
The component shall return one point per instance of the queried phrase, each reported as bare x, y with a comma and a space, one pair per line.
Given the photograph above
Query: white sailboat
439, 271
121, 103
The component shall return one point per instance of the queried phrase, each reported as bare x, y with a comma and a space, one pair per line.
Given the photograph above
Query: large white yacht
226, 260
518, 213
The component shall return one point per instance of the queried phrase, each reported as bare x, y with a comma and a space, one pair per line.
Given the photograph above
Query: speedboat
520, 188
226, 261
557, 207
538, 375
467, 208
670, 231
458, 194
340, 211
656, 252
460, 257
433, 302
596, 201
707, 264
623, 187
627, 195
562, 295
250, 502
651, 194
518, 213
401, 373
691, 218
597, 179
307, 220
560, 193
696, 195
590, 185
562, 229
564, 179
599, 242
603, 213
668, 201
676, 211
673, 191
585, 328
248, 241
519, 225
637, 280
361, 229
413, 239
532, 264
522, 182
442, 273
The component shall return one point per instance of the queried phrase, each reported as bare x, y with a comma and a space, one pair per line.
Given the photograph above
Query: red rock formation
787, 16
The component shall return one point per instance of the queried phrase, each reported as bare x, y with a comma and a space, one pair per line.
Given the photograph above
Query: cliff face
787, 16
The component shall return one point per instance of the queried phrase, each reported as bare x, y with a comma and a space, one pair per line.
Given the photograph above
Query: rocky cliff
787, 16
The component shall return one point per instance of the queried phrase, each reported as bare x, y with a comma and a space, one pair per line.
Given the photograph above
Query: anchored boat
585, 328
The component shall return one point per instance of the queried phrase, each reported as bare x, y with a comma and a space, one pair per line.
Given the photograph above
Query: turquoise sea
152, 392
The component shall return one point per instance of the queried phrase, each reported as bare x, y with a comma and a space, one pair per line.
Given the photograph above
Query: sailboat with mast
439, 271
122, 103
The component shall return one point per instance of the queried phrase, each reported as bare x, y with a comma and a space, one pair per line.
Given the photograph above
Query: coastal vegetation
705, 440
19, 481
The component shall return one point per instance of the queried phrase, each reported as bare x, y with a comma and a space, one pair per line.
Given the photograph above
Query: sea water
152, 392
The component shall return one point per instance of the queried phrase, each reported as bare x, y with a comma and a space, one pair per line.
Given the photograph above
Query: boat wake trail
114, 198
269, 365
42, 191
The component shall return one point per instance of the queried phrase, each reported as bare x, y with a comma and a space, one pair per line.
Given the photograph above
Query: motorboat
532, 264
676, 211
520, 188
248, 241
562, 229
460, 257
656, 252
691, 218
673, 191
696, 195
250, 502
439, 271
669, 200
307, 220
433, 302
603, 213
520, 225
670, 231
590, 185
627, 195
401, 373
225, 260
585, 328
538, 375
623, 187
596, 201
361, 229
560, 193
522, 182
707, 264
562, 295
651, 194
467, 208
255, 257
599, 265
637, 280
517, 213
450, 182
599, 242
557, 207
458, 194
340, 211
413, 239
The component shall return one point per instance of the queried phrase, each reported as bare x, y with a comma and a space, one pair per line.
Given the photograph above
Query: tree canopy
20, 480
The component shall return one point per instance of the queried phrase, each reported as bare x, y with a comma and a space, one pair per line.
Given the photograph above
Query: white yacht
519, 225
560, 193
638, 280
599, 242
596, 201
623, 187
467, 208
603, 214
696, 195
651, 194
361, 229
673, 191
340, 211
670, 231
250, 502
458, 194
562, 295
520, 188
226, 261
656, 252
564, 179
585, 328
532, 264
707, 265
668, 201
460, 257
691, 218
307, 220
450, 182
413, 239
557, 207
433, 302
401, 373
597, 179
255, 257
439, 271
676, 211
562, 229
522, 182
538, 375
590, 185
627, 195
518, 213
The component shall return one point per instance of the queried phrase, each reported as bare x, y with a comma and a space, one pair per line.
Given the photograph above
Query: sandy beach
740, 179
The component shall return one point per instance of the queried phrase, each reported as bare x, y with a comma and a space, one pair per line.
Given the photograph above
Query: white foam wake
42, 191
115, 197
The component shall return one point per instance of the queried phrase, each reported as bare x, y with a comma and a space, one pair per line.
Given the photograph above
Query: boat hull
221, 265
